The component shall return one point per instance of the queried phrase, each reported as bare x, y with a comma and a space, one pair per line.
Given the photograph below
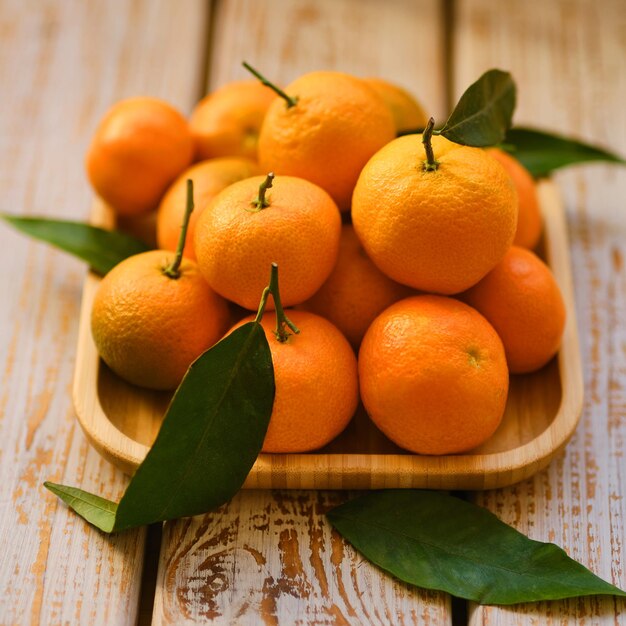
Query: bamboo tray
121, 421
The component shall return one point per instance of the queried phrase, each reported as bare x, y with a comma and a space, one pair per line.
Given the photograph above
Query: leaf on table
542, 152
102, 249
96, 510
437, 541
484, 113
210, 438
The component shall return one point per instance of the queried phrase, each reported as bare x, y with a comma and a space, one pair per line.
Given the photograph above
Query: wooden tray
121, 421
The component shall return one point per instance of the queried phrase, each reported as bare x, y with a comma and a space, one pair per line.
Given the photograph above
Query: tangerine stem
430, 164
260, 202
173, 269
291, 102
282, 334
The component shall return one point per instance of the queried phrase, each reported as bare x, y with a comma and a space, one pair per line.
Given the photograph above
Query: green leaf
437, 541
542, 153
102, 249
211, 436
484, 112
96, 510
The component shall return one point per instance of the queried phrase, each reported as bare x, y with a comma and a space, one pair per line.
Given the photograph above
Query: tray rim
372, 471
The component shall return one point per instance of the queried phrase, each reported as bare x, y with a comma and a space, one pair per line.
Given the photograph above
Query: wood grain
61, 65
275, 560
270, 557
567, 58
400, 40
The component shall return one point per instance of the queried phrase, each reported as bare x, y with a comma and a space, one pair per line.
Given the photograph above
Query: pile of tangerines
411, 250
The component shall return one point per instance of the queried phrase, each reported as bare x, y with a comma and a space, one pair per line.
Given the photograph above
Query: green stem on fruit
173, 269
430, 164
291, 102
261, 202
282, 321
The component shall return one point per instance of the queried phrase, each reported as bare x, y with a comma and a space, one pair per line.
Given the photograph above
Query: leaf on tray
484, 112
102, 249
437, 541
210, 438
542, 152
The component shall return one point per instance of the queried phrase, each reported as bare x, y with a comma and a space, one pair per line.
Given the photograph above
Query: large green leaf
542, 152
102, 249
211, 435
437, 541
484, 112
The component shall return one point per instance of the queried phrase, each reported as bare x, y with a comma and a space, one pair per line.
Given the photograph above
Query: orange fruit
433, 375
209, 178
227, 121
316, 383
236, 241
522, 300
140, 146
529, 223
407, 112
439, 231
355, 292
148, 327
337, 123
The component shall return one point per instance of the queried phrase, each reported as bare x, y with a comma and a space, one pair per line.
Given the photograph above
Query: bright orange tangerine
244, 229
335, 124
140, 146
316, 383
438, 230
433, 375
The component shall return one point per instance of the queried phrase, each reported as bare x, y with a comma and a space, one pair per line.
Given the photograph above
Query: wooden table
270, 557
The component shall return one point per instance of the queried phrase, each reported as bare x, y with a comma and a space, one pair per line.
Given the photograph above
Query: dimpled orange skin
356, 291
140, 146
149, 328
227, 122
338, 123
522, 300
316, 384
438, 231
433, 375
209, 178
407, 112
529, 223
236, 245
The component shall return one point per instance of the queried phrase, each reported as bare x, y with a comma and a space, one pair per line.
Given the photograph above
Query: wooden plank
61, 65
271, 557
567, 57
399, 40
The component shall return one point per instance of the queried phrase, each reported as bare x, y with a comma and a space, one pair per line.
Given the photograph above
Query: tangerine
434, 225
433, 375
243, 230
523, 302
149, 328
356, 291
140, 146
325, 131
227, 122
316, 379
529, 223
407, 112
